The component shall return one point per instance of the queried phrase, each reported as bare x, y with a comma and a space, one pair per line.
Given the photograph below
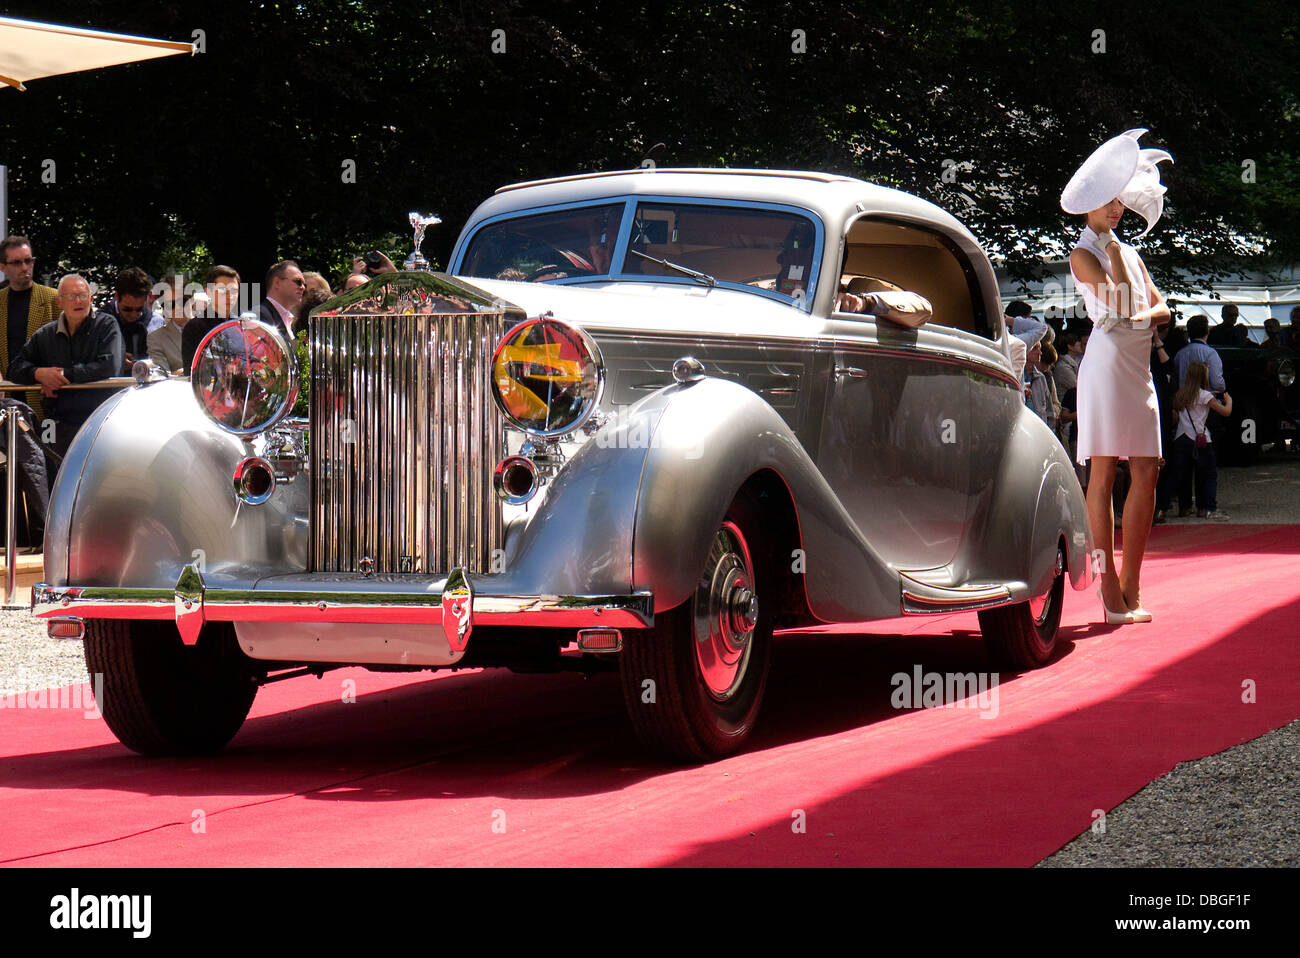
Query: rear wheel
1023, 636
694, 683
161, 697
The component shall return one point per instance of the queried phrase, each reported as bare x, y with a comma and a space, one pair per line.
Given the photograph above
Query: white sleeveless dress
1115, 395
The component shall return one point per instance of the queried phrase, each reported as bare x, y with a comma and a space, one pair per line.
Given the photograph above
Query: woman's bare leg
1101, 520
1137, 525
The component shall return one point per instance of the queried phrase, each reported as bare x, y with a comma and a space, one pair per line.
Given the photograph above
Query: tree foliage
240, 154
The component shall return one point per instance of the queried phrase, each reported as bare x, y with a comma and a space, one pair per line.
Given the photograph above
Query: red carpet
503, 769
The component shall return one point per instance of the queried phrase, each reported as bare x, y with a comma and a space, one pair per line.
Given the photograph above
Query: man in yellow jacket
25, 306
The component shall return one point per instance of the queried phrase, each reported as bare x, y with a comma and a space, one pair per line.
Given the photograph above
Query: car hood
654, 306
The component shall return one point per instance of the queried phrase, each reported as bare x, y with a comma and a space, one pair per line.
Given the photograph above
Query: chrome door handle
850, 372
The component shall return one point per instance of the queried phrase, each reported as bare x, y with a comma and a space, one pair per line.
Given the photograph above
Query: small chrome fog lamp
515, 480
245, 376
254, 480
547, 377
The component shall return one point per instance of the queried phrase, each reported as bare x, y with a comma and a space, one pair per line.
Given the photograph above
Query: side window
881, 254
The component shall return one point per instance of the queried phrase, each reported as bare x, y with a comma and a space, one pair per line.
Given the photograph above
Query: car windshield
768, 249
559, 245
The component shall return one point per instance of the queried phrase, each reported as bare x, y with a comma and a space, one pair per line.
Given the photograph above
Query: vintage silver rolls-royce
631, 429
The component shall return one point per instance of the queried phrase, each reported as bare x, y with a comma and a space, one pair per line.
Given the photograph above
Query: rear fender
1016, 544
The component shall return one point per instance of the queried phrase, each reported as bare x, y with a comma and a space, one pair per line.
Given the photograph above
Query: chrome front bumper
454, 602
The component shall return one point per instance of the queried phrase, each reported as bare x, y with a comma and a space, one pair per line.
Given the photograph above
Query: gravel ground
1240, 807
1267, 492
29, 660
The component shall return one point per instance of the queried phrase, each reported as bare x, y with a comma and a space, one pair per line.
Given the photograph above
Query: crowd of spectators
1048, 353
60, 336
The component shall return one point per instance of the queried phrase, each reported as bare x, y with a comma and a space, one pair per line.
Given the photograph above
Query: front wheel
162, 697
1023, 636
693, 684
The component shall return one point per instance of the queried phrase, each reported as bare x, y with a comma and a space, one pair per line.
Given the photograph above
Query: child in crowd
1193, 450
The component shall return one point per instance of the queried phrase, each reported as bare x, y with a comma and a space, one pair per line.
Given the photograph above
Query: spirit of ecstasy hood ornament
420, 223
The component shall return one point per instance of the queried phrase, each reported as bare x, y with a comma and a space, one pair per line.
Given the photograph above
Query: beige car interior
881, 256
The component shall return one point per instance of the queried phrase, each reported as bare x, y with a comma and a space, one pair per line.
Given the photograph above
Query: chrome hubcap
726, 613
1040, 607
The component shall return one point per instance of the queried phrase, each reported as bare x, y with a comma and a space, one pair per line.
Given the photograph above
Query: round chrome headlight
245, 376
1286, 372
547, 377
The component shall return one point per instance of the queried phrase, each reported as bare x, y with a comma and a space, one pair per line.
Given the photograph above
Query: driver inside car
795, 260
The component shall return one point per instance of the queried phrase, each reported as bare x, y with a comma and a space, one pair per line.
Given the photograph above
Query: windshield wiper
704, 278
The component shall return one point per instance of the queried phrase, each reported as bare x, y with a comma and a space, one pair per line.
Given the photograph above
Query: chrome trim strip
791, 174
934, 355
927, 605
634, 611
840, 345
924, 598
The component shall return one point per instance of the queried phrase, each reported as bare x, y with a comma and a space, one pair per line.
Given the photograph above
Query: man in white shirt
284, 289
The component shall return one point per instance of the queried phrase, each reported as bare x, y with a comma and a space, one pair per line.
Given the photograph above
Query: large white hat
1119, 168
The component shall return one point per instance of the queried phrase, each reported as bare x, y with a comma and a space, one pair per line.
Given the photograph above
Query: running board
927, 598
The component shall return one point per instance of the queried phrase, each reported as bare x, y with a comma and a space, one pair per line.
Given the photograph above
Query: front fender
147, 489
712, 436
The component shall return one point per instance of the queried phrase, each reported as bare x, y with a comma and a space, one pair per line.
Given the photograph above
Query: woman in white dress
1118, 416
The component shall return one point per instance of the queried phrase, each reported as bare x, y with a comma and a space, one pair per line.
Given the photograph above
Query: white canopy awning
30, 50
1257, 297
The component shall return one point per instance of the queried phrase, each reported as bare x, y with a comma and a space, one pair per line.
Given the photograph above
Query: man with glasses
284, 288
131, 309
80, 346
25, 306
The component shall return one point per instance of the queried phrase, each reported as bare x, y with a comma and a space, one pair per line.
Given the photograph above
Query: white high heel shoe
1116, 618
1139, 614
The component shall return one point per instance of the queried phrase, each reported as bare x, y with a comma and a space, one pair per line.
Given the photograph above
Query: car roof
834, 198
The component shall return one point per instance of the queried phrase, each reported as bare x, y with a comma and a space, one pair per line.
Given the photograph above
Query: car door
895, 439
910, 421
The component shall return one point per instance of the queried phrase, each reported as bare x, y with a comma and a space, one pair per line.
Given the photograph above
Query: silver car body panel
918, 480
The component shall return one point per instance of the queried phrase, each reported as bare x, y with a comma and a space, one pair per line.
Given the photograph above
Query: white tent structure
1256, 296
31, 50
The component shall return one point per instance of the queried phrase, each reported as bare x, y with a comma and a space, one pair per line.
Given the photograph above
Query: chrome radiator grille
404, 439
